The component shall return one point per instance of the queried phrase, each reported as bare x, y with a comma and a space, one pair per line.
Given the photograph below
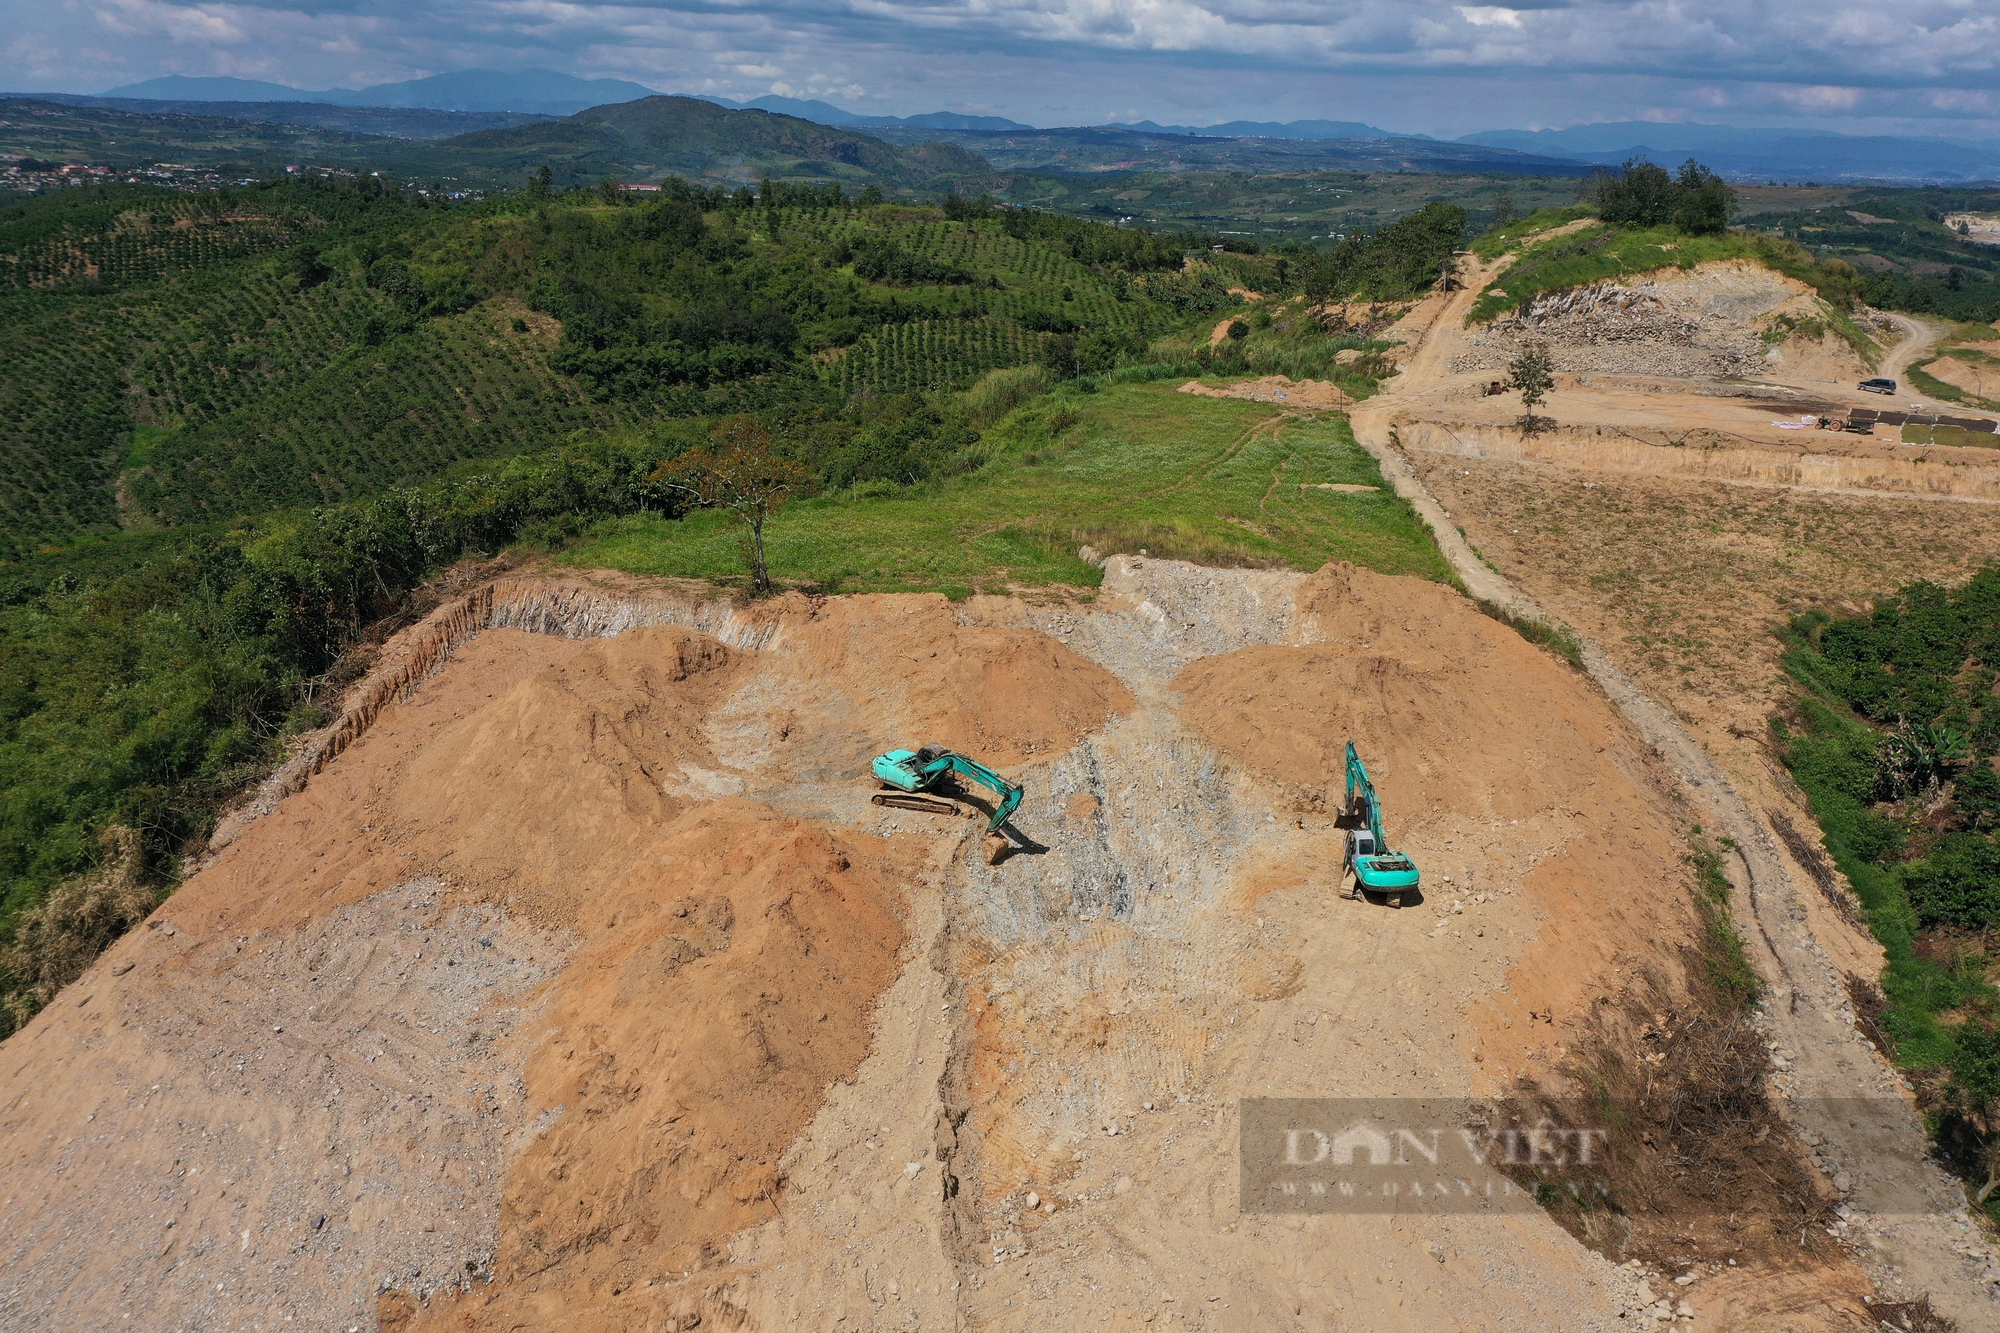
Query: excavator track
910, 800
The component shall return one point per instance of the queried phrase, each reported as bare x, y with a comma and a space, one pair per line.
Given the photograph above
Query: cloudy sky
1907, 66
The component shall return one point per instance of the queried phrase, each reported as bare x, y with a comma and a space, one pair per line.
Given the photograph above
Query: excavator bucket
995, 847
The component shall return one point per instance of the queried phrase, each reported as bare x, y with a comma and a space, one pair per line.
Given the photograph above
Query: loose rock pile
1672, 327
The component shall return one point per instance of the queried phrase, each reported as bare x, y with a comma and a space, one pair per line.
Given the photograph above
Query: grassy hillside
179, 359
1122, 468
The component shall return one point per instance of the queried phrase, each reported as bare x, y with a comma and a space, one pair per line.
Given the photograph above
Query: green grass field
1221, 481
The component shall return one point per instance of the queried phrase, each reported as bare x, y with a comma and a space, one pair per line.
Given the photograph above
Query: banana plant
1916, 758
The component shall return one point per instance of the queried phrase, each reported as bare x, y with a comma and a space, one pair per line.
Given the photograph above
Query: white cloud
201, 24
1822, 98
1426, 64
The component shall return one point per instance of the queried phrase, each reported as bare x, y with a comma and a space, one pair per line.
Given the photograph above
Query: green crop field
177, 359
1222, 481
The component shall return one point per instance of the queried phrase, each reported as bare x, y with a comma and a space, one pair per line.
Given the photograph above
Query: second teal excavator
911, 779
1376, 868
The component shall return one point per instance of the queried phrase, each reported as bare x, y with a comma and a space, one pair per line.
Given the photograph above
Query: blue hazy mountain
1760, 154
181, 88
825, 113
534, 90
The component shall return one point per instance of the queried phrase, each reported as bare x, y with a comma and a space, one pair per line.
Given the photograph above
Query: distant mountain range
1271, 129
393, 121
1751, 154
1740, 154
641, 140
825, 113
535, 90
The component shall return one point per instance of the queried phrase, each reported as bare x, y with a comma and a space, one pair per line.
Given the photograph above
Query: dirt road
1920, 336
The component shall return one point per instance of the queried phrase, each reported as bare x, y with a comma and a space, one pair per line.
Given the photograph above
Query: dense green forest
1894, 740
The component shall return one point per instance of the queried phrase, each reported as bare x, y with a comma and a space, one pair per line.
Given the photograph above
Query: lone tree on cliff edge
738, 472
1532, 375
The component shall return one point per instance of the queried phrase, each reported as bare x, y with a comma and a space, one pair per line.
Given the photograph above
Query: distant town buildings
32, 175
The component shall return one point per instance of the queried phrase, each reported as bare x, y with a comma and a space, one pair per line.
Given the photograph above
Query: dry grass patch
1683, 581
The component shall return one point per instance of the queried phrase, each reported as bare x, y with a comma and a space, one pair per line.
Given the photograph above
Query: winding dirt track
1919, 337
1908, 1217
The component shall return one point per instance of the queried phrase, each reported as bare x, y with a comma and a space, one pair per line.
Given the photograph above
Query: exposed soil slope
585, 990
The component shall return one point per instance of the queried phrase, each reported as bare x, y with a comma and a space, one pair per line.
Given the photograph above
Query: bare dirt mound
1458, 716
606, 734
1705, 322
859, 674
721, 983
518, 992
1274, 389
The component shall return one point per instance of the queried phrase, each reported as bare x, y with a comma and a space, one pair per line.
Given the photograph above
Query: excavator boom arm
1009, 794
1358, 780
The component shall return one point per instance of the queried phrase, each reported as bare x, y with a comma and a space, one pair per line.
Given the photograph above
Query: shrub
56, 941
1957, 885
999, 392
1402, 259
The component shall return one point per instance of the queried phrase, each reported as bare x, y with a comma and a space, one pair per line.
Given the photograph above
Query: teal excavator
914, 780
1376, 868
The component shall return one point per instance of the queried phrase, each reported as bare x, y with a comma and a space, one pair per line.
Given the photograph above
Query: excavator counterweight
910, 778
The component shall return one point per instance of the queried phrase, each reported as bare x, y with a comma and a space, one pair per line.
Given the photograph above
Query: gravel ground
309, 1117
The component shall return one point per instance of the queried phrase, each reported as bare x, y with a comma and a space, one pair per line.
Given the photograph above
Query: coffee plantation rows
934, 355
449, 390
207, 358
144, 246
63, 417
177, 359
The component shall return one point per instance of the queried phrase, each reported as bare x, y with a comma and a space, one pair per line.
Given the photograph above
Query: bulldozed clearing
586, 990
